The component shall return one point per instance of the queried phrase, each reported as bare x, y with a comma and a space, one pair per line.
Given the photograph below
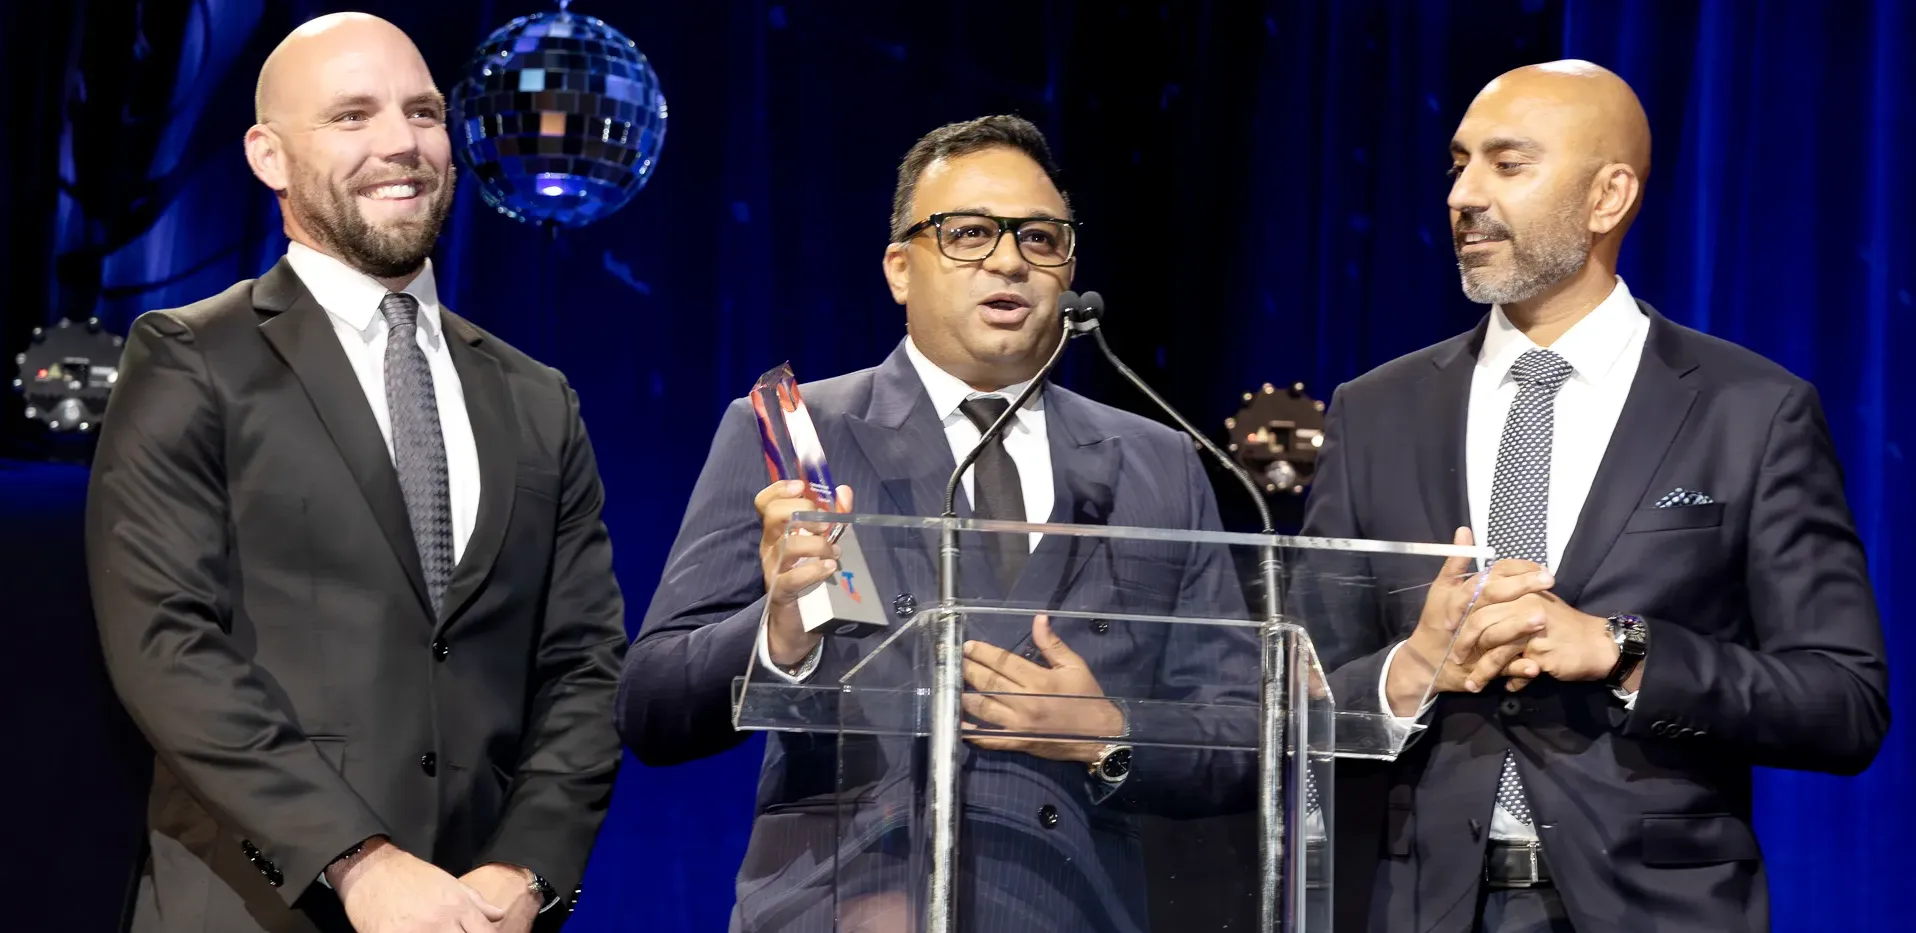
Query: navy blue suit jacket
1765, 646
1046, 849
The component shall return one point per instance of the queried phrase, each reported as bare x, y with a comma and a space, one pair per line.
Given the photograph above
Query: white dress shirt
351, 299
1025, 440
1604, 350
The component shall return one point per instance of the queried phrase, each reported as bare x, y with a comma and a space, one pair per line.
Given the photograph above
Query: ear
266, 153
898, 271
1617, 189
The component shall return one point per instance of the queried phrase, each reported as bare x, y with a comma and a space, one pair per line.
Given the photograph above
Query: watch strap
1630, 636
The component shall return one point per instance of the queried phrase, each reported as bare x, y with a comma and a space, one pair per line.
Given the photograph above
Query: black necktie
996, 492
419, 447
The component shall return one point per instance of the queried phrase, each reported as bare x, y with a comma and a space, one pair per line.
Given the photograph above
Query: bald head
351, 134
1597, 112
1549, 163
301, 58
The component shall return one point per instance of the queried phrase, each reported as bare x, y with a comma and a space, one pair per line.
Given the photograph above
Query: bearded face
382, 220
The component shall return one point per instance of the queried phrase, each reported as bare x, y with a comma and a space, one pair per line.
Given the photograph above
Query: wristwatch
1633, 641
542, 889
1112, 764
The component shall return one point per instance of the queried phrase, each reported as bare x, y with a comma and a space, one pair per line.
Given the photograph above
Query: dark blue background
1264, 193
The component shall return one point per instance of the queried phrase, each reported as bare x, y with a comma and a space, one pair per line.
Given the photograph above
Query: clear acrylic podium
960, 738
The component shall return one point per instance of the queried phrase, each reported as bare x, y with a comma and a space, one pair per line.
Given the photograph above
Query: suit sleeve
1345, 622
1213, 672
1812, 691
159, 566
675, 694
570, 756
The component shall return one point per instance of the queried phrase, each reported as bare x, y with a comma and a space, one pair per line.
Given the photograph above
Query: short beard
1542, 256
328, 213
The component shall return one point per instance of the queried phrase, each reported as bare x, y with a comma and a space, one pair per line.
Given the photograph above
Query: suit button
1510, 706
904, 605
1100, 626
1659, 728
1048, 816
1685, 732
273, 877
429, 763
1030, 653
440, 649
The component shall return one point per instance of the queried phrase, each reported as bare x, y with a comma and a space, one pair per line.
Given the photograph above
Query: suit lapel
489, 407
301, 333
1084, 472
901, 437
1443, 414
1653, 413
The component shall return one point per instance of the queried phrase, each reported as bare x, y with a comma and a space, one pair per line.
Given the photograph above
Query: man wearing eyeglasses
983, 243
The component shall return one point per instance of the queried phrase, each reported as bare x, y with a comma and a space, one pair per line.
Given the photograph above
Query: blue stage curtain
1263, 189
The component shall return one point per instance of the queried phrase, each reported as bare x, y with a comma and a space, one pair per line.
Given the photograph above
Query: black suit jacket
1081, 869
264, 617
1765, 646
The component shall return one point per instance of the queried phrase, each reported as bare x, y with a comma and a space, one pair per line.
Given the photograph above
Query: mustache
1478, 223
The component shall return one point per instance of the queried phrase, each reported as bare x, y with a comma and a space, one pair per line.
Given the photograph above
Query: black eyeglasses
1042, 241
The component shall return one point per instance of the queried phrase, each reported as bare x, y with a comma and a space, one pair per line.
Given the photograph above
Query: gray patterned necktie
1520, 498
419, 447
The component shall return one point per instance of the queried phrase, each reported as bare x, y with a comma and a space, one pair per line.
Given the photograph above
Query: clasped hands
1507, 623
387, 890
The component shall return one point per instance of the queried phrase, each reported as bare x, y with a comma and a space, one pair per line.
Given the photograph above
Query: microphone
1086, 316
1070, 308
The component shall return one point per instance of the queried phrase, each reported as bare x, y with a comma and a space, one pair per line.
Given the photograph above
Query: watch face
1117, 764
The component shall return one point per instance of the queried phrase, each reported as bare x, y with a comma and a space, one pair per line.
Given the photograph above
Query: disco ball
560, 118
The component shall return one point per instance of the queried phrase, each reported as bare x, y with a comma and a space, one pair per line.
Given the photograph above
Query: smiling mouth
1469, 240
392, 191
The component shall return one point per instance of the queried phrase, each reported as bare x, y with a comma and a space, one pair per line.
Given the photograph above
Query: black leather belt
1516, 865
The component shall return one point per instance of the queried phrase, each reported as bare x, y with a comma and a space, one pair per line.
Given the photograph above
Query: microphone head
1091, 306
1070, 306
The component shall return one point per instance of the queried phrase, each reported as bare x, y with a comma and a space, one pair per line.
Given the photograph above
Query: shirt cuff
1629, 698
805, 669
1383, 693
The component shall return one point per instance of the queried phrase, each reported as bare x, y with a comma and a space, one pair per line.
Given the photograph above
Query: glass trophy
843, 603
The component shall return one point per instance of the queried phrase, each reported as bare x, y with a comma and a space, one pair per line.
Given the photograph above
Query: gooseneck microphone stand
948, 665
1283, 681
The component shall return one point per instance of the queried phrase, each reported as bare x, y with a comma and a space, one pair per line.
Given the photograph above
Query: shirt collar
353, 296
1592, 346
948, 391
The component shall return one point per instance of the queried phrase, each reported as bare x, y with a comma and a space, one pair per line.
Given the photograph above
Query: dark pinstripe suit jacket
1082, 869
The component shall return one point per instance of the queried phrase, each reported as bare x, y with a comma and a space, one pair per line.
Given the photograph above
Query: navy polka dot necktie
1520, 498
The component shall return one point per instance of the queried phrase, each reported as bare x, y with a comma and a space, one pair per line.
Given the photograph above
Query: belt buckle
1532, 849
